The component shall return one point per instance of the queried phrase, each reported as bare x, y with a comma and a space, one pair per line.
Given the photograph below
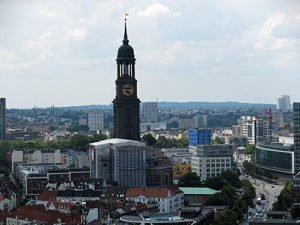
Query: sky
63, 52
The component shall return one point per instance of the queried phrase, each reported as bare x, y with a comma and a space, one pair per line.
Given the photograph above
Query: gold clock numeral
127, 89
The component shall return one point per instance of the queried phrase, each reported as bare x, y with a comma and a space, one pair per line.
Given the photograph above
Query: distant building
186, 123
199, 136
95, 120
201, 121
246, 126
150, 112
296, 116
2, 118
210, 160
283, 103
119, 160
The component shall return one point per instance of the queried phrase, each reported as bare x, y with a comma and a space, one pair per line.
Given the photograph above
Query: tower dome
125, 51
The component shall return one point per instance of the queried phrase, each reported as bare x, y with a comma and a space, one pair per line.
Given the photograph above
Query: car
272, 186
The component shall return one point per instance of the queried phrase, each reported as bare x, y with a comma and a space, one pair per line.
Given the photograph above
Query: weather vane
126, 14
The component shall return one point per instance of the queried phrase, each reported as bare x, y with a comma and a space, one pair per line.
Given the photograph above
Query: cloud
158, 9
47, 13
76, 34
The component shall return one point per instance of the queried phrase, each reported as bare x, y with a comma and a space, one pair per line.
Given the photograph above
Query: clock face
127, 89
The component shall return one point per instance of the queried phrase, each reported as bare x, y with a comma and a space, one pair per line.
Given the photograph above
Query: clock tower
126, 103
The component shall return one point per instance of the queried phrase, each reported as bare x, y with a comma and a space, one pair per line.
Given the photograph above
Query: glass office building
275, 157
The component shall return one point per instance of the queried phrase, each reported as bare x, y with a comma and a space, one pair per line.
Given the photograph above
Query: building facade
168, 199
126, 104
119, 160
95, 120
199, 136
211, 160
275, 157
284, 103
2, 118
296, 119
150, 112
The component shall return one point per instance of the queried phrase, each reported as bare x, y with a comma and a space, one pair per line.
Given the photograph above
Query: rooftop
118, 142
197, 191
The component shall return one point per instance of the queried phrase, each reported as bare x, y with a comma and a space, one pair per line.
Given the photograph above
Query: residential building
197, 195
199, 137
181, 155
150, 112
168, 199
210, 160
95, 120
283, 103
296, 118
119, 160
2, 118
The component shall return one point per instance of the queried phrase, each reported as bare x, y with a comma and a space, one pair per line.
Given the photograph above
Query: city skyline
205, 51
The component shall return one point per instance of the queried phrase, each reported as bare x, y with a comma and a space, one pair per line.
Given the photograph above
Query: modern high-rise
95, 120
119, 160
2, 118
150, 112
126, 103
199, 137
296, 118
283, 102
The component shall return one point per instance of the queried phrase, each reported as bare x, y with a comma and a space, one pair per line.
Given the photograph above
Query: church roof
125, 51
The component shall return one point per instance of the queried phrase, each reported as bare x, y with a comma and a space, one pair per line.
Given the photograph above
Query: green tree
250, 148
232, 178
148, 139
190, 179
216, 183
218, 140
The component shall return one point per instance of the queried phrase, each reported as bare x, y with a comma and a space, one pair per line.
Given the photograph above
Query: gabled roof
48, 195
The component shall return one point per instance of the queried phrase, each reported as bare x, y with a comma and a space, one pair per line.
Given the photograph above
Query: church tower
126, 103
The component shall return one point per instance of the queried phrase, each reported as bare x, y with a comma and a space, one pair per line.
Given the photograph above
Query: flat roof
118, 141
198, 190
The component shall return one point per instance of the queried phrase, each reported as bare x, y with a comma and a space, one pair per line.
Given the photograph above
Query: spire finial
125, 41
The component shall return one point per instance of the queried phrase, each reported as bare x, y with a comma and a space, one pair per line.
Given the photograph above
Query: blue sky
62, 52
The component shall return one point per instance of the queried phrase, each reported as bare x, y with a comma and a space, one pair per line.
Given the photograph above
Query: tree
250, 148
149, 139
218, 140
216, 183
190, 179
232, 178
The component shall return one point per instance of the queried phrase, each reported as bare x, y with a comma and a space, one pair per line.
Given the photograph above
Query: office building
246, 127
150, 112
95, 120
275, 157
2, 118
201, 121
283, 103
119, 160
199, 136
296, 118
126, 103
211, 160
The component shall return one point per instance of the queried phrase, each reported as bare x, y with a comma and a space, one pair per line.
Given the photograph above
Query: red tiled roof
151, 192
48, 195
60, 205
39, 213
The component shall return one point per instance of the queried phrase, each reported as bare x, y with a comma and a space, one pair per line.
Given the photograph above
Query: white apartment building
168, 199
95, 120
211, 160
